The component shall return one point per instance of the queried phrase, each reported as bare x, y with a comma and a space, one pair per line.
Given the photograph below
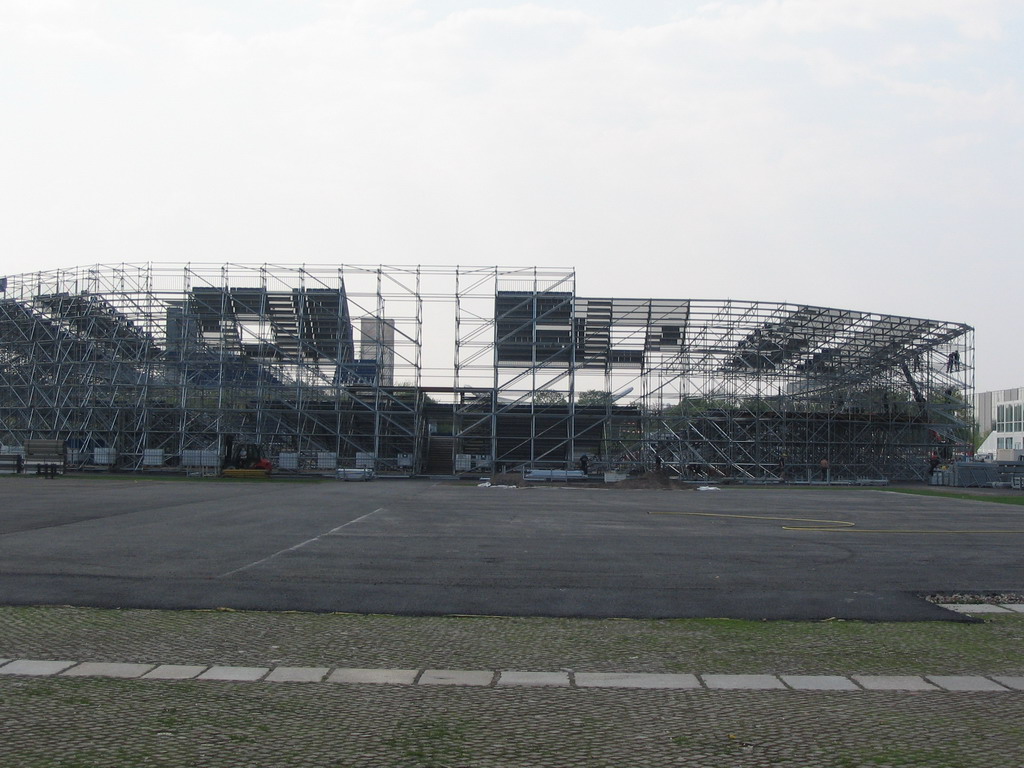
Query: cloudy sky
864, 154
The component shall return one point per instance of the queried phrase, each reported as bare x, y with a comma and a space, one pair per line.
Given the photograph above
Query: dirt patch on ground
508, 478
975, 598
650, 481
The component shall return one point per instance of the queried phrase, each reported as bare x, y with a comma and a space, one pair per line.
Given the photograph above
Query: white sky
863, 154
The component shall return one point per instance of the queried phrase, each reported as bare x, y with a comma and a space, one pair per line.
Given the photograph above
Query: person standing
584, 463
824, 470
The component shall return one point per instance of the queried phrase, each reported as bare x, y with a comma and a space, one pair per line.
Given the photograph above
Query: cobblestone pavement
93, 721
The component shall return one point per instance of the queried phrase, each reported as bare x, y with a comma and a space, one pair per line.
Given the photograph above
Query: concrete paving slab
635, 680
965, 683
894, 683
456, 677
175, 672
1017, 607
107, 669
4, 661
240, 674
1010, 681
819, 683
743, 682
379, 676
35, 667
516, 677
975, 608
297, 674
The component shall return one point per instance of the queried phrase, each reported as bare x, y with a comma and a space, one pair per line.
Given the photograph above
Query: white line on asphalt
300, 545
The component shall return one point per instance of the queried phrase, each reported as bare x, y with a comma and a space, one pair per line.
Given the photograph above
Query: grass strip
728, 646
965, 496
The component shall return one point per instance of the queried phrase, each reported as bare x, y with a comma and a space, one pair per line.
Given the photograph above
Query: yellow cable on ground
836, 525
757, 517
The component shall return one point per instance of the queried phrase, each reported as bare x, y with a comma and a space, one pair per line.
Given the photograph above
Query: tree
548, 397
594, 397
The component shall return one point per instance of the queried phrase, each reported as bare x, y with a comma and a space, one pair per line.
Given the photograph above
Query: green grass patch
727, 646
965, 496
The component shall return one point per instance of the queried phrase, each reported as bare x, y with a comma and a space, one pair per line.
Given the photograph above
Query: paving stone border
486, 678
982, 607
175, 672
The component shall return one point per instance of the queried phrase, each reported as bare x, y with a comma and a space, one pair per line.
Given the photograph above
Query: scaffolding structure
443, 370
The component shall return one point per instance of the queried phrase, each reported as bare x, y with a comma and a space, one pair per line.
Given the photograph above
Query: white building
1000, 417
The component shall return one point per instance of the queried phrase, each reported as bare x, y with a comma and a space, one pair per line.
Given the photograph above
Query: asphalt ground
427, 548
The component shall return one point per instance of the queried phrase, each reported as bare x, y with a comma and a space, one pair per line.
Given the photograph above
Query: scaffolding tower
444, 370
